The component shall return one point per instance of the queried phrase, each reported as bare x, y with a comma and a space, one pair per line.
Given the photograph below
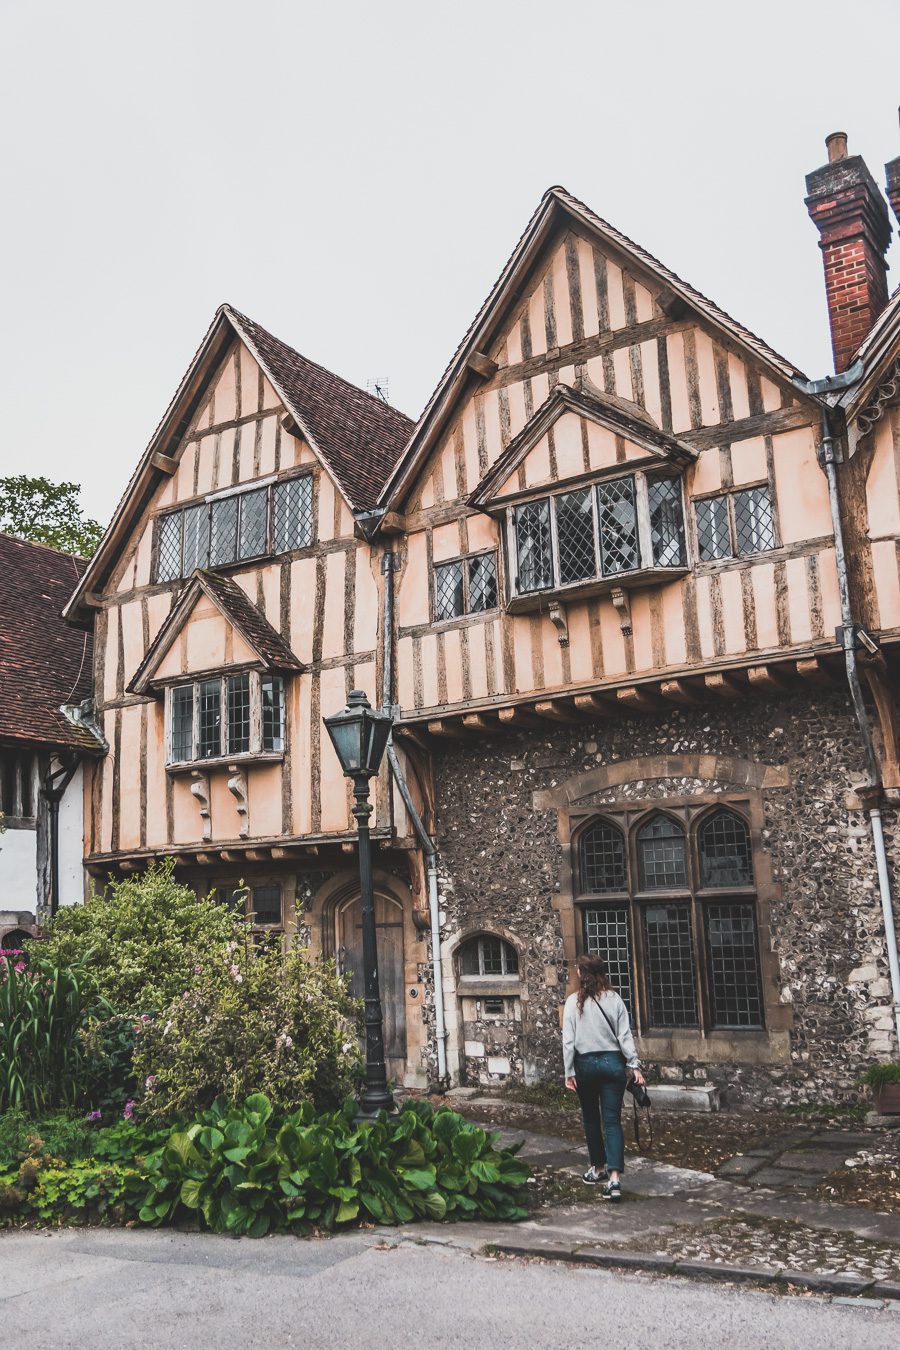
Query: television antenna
379, 387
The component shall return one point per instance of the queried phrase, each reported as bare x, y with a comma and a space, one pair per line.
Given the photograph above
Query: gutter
389, 565
828, 459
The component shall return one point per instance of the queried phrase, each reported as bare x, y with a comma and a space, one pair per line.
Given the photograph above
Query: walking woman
598, 1051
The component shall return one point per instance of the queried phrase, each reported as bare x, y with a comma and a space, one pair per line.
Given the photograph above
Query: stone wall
504, 865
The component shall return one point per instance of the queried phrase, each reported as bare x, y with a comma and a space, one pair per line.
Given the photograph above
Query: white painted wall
18, 855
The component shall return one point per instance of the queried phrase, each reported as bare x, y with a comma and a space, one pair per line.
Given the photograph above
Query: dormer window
604, 530
226, 716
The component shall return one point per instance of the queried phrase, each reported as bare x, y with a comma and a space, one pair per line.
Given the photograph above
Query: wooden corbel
200, 793
482, 365
622, 606
558, 619
237, 786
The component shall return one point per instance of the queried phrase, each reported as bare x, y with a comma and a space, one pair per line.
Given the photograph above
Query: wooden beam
554, 710
672, 305
768, 679
128, 865
392, 522
92, 600
592, 705
204, 859
814, 671
348, 848
228, 855
165, 463
279, 853
638, 699
257, 855
482, 365
723, 686
478, 722
446, 727
518, 718
679, 691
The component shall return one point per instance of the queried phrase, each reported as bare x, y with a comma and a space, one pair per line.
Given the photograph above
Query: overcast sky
354, 175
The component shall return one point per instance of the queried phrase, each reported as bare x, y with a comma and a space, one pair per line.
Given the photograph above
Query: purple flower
149, 1081
93, 1117
128, 1113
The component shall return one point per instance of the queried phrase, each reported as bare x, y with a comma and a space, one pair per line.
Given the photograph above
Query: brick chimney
892, 174
852, 218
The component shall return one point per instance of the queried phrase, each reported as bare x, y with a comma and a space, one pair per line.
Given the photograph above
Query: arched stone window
662, 854
602, 853
726, 859
487, 956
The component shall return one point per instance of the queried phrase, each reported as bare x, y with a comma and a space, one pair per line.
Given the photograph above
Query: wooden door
389, 933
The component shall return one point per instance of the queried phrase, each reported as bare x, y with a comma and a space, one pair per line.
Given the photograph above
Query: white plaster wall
71, 842
18, 870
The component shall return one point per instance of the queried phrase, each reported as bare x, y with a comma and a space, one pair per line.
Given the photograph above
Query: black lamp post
360, 735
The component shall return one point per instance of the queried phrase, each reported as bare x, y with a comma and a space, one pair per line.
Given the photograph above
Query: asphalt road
102, 1289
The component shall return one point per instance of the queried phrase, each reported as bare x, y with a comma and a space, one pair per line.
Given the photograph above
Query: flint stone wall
502, 860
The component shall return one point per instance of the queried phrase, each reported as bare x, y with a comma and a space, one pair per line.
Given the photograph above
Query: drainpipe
388, 567
848, 632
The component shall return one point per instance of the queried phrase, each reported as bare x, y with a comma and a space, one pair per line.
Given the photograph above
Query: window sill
489, 986
264, 757
529, 601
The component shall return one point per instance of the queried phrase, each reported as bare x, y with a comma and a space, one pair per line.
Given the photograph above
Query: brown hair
593, 978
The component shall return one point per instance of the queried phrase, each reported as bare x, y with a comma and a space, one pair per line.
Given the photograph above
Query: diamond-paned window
575, 536
618, 527
662, 855
482, 582
734, 974
753, 523
670, 966
272, 695
449, 600
292, 518
196, 538
533, 552
168, 556
238, 691
713, 532
607, 933
488, 955
254, 523
723, 841
223, 531
666, 522
183, 723
209, 728
602, 859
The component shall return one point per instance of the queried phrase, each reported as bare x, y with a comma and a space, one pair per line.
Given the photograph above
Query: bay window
225, 715
589, 533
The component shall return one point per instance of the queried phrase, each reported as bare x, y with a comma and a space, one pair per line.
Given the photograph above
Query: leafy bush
879, 1076
142, 937
60, 1134
44, 1009
250, 1020
244, 1171
111, 1083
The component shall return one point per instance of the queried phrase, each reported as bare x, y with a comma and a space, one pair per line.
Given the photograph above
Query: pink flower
198, 970
20, 966
149, 1081
145, 1017
128, 1113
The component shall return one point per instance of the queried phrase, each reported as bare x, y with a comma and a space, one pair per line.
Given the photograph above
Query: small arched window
488, 955
14, 942
602, 859
723, 842
662, 857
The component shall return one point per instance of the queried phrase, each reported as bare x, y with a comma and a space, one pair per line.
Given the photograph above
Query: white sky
354, 175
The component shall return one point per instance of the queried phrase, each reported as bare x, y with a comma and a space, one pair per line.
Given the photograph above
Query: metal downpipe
428, 847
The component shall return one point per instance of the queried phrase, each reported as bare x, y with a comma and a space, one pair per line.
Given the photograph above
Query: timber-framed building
612, 583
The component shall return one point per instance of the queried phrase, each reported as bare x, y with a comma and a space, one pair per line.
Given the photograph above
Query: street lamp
360, 735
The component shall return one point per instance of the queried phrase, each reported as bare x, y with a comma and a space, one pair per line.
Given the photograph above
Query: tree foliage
48, 513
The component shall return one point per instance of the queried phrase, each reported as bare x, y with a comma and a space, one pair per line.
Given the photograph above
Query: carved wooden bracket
887, 725
237, 786
200, 793
623, 609
558, 619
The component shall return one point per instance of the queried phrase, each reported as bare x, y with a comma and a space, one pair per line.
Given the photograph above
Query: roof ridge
37, 543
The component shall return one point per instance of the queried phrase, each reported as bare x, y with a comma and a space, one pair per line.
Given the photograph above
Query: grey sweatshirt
589, 1032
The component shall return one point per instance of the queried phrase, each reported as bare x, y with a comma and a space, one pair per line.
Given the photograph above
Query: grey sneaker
612, 1191
594, 1175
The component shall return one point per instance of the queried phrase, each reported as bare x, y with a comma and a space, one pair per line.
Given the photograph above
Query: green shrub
142, 936
44, 1009
244, 1170
250, 1020
62, 1135
879, 1076
111, 1083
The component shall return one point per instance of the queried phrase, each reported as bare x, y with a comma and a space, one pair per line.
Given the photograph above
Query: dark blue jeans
600, 1079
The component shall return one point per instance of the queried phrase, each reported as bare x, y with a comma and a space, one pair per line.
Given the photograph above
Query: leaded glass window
734, 973
238, 688
619, 551
662, 856
209, 726
183, 723
449, 601
753, 523
671, 981
575, 536
482, 582
168, 558
533, 552
723, 843
713, 533
253, 523
607, 933
292, 518
488, 955
602, 858
272, 693
265, 904
666, 522
196, 539
223, 531
735, 524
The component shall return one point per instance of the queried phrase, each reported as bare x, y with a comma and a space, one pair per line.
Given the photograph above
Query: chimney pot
836, 144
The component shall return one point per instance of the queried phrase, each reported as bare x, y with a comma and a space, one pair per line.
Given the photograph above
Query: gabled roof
606, 410
356, 436
557, 207
273, 652
44, 662
877, 354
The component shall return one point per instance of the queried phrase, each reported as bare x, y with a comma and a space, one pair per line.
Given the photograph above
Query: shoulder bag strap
609, 1023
